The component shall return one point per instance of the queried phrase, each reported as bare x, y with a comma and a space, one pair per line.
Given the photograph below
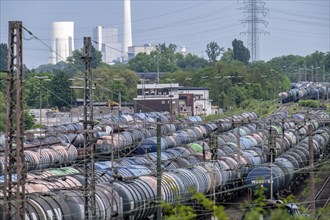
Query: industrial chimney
127, 28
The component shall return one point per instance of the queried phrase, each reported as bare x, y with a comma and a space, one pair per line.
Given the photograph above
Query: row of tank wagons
198, 152
45, 158
305, 90
136, 199
173, 158
106, 130
181, 157
175, 183
193, 153
40, 136
289, 165
48, 157
178, 157
287, 133
52, 156
148, 142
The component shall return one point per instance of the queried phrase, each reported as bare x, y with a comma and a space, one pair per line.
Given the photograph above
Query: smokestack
127, 27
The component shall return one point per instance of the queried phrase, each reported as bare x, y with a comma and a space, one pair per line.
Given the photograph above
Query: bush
309, 103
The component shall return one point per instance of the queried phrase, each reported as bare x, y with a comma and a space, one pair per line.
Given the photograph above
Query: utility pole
89, 146
311, 166
238, 137
214, 157
252, 10
271, 144
159, 171
119, 107
14, 191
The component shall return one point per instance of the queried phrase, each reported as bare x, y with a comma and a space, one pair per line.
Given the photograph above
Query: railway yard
111, 130
223, 159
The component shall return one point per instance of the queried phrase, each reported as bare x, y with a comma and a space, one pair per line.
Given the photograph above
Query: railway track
284, 107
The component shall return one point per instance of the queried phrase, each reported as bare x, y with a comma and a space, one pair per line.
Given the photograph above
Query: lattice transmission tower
253, 11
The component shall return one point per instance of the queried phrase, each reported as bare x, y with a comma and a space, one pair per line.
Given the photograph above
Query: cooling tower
62, 41
127, 42
97, 36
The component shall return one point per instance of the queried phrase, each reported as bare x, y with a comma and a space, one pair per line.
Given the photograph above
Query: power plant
62, 41
105, 40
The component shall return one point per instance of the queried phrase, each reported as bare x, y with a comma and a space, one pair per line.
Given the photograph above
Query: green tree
77, 61
227, 56
163, 57
182, 211
60, 90
189, 61
314, 59
326, 62
3, 57
114, 79
29, 121
213, 51
143, 62
240, 52
34, 87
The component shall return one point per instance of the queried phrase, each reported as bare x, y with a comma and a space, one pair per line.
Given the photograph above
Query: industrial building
146, 48
106, 41
172, 98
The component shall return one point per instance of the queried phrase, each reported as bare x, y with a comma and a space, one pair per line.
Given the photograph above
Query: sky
297, 27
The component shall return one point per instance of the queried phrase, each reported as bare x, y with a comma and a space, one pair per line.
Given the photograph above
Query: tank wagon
53, 155
285, 169
135, 199
305, 90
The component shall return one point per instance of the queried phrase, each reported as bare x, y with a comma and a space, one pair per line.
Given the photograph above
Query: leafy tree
314, 60
34, 87
189, 62
77, 61
326, 62
60, 90
3, 83
227, 56
184, 77
164, 57
213, 51
3, 57
143, 62
162, 48
29, 121
240, 52
112, 80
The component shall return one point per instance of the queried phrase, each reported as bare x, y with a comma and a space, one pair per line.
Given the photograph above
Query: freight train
134, 197
288, 166
305, 90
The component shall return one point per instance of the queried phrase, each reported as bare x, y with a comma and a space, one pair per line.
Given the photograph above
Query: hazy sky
296, 26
